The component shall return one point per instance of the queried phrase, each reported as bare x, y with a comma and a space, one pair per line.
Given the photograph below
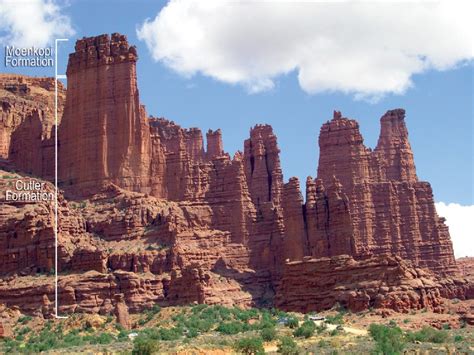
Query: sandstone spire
104, 136
215, 147
393, 148
342, 152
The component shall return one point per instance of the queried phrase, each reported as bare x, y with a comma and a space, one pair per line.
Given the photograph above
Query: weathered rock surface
378, 282
368, 202
147, 212
27, 119
104, 135
466, 266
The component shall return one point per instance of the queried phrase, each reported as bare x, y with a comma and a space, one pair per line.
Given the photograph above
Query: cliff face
147, 197
104, 135
377, 282
27, 122
389, 211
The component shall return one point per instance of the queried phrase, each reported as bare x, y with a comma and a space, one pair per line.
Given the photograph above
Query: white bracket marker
56, 77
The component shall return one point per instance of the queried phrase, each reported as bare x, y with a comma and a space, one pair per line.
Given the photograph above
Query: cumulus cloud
364, 48
32, 22
460, 220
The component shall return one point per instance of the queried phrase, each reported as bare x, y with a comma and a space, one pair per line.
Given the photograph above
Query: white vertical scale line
56, 77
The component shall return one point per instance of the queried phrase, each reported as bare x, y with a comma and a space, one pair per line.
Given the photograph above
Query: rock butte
147, 215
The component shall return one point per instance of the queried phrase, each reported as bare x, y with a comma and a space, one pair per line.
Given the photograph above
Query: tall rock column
329, 224
265, 183
295, 241
104, 136
342, 152
215, 147
393, 148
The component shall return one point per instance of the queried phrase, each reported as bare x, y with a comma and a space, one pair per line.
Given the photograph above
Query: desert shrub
287, 346
170, 333
122, 335
306, 330
149, 314
249, 345
458, 338
202, 325
24, 330
337, 319
45, 340
144, 345
103, 338
268, 334
230, 328
192, 333
323, 343
292, 322
266, 321
24, 319
321, 327
72, 339
429, 335
389, 340
244, 314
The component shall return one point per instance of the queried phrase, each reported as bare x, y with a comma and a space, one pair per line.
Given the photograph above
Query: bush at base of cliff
268, 334
249, 346
306, 330
389, 340
428, 334
143, 345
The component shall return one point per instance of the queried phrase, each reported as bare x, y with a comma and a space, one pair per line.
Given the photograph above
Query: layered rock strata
376, 282
387, 209
27, 119
104, 135
147, 211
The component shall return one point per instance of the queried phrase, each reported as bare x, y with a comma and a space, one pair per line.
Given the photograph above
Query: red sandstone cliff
164, 220
104, 135
388, 209
27, 122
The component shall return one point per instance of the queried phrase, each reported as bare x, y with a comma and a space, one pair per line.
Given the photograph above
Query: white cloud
364, 48
32, 22
460, 220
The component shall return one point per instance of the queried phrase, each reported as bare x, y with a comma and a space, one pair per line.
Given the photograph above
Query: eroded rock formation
376, 282
146, 211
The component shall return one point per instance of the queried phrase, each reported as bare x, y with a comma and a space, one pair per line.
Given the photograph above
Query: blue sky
439, 104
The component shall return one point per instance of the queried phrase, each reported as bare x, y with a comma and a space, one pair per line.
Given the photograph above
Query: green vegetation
337, 319
429, 335
388, 340
306, 330
24, 319
144, 345
249, 345
207, 327
292, 322
287, 346
268, 334
149, 315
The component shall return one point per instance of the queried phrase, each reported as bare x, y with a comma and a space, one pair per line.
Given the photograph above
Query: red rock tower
104, 136
379, 207
394, 148
215, 147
